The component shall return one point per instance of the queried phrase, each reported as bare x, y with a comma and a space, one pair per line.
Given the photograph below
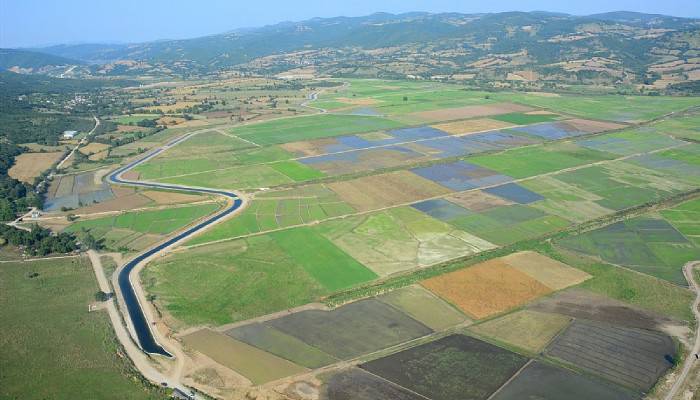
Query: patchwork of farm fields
139, 229
419, 211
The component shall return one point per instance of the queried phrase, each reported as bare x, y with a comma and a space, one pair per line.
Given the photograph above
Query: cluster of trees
39, 241
15, 196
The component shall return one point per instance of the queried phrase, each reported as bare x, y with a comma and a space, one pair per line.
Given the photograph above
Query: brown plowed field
478, 201
471, 125
486, 289
448, 114
593, 126
378, 191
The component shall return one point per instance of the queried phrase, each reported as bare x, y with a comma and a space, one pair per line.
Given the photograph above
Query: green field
279, 209
525, 119
230, 282
629, 142
234, 178
328, 264
311, 127
197, 159
157, 221
607, 107
245, 278
648, 244
52, 348
634, 288
297, 171
400, 239
134, 118
510, 224
536, 160
136, 230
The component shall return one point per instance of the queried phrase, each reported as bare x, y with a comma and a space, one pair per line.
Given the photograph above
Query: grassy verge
50, 346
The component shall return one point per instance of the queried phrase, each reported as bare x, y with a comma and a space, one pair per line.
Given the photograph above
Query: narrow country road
81, 142
690, 361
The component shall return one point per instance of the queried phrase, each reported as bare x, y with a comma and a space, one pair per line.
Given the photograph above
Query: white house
69, 134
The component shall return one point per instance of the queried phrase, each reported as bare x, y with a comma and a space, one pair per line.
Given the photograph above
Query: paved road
690, 361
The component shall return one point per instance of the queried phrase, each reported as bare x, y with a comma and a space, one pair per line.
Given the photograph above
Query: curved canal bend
138, 319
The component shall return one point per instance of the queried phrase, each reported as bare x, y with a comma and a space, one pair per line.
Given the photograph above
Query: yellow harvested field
99, 156
551, 273
257, 365
529, 330
172, 107
171, 197
487, 288
591, 126
129, 128
357, 102
471, 126
170, 120
93, 148
378, 191
30, 165
540, 112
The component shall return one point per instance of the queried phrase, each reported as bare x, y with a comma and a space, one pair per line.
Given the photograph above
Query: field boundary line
442, 196
38, 259
220, 131
690, 359
515, 375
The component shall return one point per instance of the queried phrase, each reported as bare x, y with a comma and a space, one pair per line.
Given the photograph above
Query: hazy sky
44, 22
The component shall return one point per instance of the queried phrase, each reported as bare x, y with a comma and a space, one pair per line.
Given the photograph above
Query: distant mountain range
616, 47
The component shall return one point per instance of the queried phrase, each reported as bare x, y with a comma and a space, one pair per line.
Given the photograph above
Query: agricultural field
418, 240
528, 330
28, 166
77, 190
400, 239
454, 367
75, 353
498, 285
310, 127
648, 244
612, 108
135, 230
278, 209
632, 357
537, 160
542, 381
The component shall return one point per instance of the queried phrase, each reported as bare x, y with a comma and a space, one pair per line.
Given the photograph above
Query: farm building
69, 134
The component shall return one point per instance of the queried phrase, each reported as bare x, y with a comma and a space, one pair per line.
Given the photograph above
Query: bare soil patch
471, 126
92, 148
257, 365
171, 197
581, 303
357, 101
478, 201
131, 175
590, 126
378, 191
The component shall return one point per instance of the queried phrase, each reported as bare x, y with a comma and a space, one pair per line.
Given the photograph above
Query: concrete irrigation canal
146, 339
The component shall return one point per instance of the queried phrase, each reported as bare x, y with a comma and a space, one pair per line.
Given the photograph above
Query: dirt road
690, 361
